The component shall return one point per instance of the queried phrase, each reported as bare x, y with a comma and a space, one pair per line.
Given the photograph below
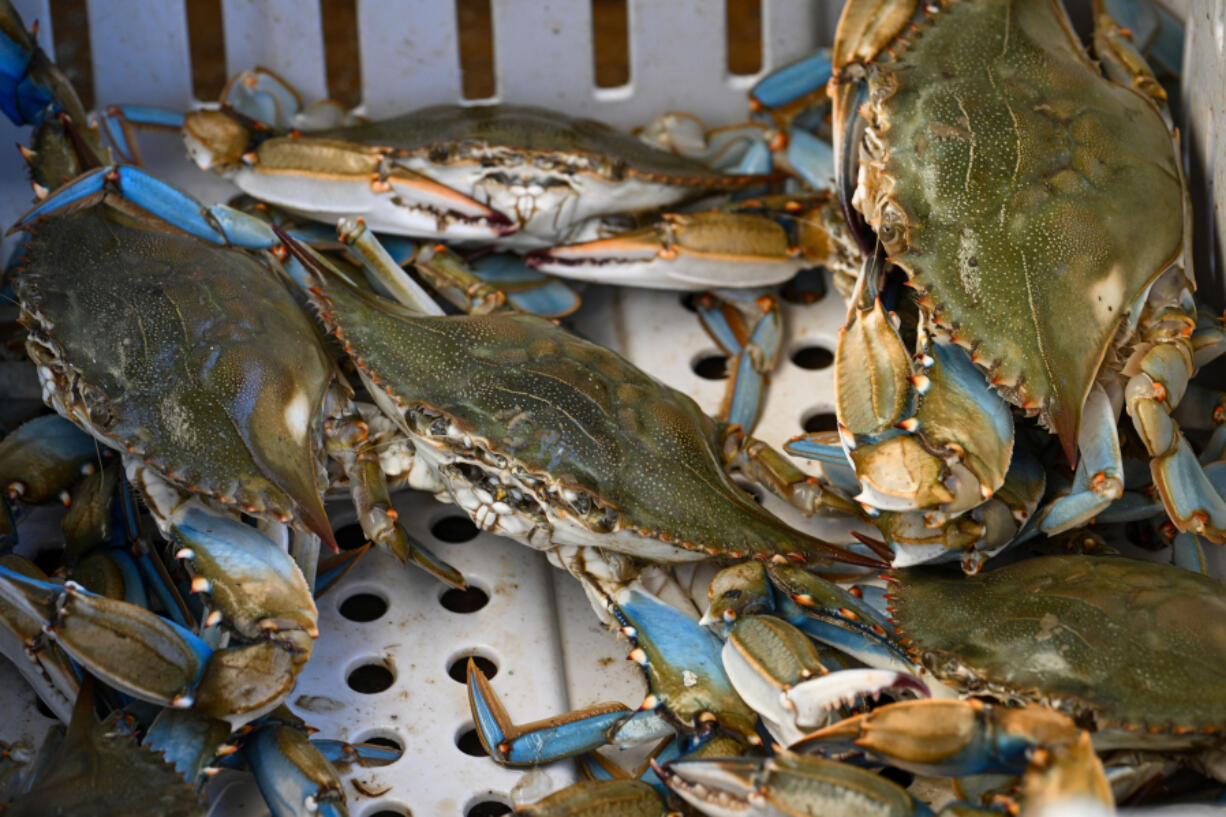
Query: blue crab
521, 177
1039, 212
570, 445
525, 175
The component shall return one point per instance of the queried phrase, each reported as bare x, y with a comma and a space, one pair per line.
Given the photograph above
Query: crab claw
540, 741
812, 699
632, 798
783, 785
699, 251
947, 738
293, 775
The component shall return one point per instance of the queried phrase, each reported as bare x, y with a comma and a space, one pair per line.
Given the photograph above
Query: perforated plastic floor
391, 638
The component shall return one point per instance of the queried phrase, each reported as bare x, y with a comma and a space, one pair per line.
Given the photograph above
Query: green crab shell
1030, 199
193, 358
597, 441
1110, 641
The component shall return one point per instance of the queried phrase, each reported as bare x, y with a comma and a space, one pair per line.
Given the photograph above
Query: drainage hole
897, 775
459, 667
812, 357
49, 560
687, 301
350, 537
454, 529
44, 710
470, 744
465, 601
488, 808
820, 421
711, 366
388, 812
363, 607
370, 678
385, 742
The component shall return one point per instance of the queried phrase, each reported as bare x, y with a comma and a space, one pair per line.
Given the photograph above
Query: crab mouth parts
497, 223
500, 485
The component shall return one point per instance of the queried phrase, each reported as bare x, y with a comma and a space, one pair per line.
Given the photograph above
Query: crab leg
526, 289
687, 684
752, 353
1160, 371
958, 738
219, 224
250, 583
390, 197
786, 785
349, 443
1099, 478
551, 738
119, 123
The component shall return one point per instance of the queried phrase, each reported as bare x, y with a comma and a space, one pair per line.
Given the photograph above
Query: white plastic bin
550, 653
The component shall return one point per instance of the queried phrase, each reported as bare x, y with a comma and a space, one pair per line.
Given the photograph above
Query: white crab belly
402, 209
549, 206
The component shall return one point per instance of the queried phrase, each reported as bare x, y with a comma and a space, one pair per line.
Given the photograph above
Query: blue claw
293, 775
220, 224
795, 86
541, 741
24, 99
81, 192
811, 158
133, 650
187, 740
